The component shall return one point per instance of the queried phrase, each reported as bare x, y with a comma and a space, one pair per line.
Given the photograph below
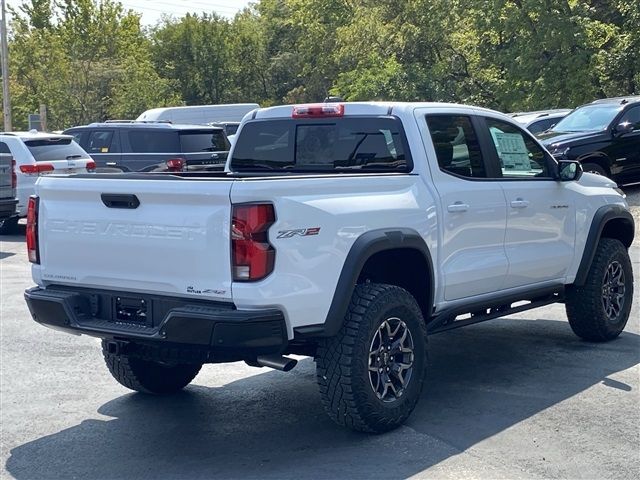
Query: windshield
56, 148
327, 145
588, 118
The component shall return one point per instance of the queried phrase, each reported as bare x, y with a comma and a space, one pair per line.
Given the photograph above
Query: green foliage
89, 60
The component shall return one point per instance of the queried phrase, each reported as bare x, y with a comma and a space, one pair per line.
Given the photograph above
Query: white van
199, 114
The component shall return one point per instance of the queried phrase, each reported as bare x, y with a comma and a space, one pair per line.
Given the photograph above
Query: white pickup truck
347, 232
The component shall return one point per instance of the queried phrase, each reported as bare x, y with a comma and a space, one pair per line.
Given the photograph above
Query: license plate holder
136, 310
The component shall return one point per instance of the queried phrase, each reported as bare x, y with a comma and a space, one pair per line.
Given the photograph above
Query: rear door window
153, 141
456, 145
50, 149
363, 144
203, 141
100, 141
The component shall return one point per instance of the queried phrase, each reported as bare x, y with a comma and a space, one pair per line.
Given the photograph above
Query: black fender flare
600, 219
365, 246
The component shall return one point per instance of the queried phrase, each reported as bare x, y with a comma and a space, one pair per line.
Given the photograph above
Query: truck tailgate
175, 242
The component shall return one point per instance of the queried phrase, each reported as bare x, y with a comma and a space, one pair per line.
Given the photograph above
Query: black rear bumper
217, 330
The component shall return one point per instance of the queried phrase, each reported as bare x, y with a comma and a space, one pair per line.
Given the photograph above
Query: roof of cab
366, 108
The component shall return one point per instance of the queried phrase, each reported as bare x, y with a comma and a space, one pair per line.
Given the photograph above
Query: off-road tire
584, 304
9, 226
342, 361
146, 376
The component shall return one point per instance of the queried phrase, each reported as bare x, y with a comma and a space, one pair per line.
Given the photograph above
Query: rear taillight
35, 168
91, 165
253, 256
176, 164
32, 230
318, 110
14, 176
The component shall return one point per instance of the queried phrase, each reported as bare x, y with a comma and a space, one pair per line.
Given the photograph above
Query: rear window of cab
344, 144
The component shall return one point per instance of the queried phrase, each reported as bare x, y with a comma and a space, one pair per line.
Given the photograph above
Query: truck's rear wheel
146, 376
598, 310
371, 373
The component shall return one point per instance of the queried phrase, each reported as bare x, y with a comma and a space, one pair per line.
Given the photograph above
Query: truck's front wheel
598, 310
371, 373
147, 376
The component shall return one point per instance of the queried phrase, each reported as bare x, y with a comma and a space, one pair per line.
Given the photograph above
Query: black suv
147, 146
603, 135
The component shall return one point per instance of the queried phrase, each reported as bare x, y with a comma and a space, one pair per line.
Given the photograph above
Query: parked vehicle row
152, 147
347, 232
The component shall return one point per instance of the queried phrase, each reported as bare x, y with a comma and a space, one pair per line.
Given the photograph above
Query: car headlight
624, 195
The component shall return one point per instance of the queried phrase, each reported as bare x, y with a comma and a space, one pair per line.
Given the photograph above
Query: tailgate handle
120, 200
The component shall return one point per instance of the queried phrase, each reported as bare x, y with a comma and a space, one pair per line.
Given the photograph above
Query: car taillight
318, 110
175, 164
32, 229
91, 165
36, 168
253, 256
14, 176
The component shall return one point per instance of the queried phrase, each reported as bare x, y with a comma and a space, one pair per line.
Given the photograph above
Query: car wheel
594, 168
598, 310
147, 376
371, 373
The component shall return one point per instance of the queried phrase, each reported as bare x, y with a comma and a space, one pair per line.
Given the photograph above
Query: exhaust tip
277, 362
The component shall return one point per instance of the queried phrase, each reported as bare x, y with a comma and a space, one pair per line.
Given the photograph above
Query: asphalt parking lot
520, 397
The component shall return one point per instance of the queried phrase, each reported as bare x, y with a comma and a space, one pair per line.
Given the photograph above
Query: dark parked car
603, 135
148, 146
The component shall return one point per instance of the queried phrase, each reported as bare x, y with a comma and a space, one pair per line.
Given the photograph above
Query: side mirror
623, 129
569, 170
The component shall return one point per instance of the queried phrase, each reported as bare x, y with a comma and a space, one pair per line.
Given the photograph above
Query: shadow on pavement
482, 380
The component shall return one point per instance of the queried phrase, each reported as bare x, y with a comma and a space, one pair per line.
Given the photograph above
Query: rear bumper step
226, 333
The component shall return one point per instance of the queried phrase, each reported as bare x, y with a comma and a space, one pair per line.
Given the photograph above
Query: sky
152, 10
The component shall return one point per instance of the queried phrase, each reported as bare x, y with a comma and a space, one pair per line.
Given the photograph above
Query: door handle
120, 200
519, 203
458, 207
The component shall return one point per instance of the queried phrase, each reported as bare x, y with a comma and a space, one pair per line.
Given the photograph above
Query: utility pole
6, 99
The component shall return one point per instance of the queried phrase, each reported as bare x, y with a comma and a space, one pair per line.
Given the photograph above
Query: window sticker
512, 151
104, 150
